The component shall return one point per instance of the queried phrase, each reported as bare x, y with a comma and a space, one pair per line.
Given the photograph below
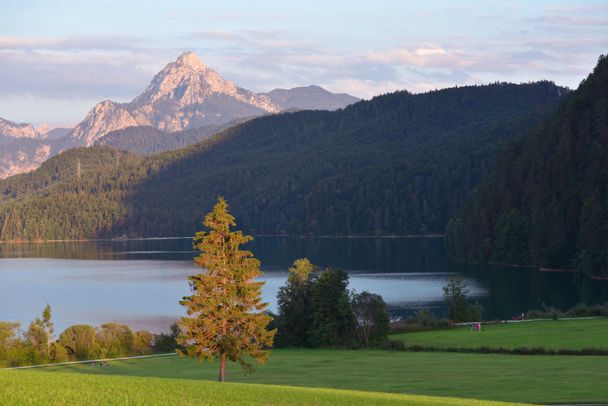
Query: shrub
142, 342
59, 353
397, 345
164, 343
115, 340
80, 341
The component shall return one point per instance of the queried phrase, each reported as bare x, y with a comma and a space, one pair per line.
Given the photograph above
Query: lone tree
371, 318
225, 311
455, 296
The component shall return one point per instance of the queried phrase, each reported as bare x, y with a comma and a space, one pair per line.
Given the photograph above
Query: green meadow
31, 387
537, 379
349, 377
555, 335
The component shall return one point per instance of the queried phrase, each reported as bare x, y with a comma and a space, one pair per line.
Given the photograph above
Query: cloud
77, 67
223, 36
558, 43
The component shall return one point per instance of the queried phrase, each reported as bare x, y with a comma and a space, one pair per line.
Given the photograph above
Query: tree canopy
394, 165
225, 311
546, 201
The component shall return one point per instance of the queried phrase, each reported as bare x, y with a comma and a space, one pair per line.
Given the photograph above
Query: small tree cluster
455, 295
316, 309
37, 344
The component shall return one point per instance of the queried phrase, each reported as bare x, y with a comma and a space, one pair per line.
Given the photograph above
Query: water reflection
140, 281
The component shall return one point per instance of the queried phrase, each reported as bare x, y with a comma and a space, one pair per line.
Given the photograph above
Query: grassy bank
540, 379
554, 335
28, 387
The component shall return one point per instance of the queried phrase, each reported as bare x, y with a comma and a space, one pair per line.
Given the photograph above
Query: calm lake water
139, 282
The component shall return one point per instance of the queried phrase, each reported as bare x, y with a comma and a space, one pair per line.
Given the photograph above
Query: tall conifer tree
225, 311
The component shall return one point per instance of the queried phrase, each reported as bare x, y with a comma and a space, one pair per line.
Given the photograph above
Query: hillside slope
148, 140
29, 387
398, 164
546, 200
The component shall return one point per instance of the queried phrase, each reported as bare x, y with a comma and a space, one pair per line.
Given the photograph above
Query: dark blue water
140, 282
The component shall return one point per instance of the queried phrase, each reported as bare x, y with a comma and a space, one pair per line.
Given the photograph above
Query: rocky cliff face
8, 129
23, 155
185, 94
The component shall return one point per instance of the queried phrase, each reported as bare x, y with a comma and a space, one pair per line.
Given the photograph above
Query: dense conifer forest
395, 165
546, 201
148, 140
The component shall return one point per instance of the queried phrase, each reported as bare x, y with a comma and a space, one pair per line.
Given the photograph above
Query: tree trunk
223, 368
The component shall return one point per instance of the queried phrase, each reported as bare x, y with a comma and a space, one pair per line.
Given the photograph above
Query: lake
139, 282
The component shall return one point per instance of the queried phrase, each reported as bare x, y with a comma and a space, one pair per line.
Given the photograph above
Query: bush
80, 341
423, 320
397, 345
142, 342
59, 353
579, 310
164, 343
115, 340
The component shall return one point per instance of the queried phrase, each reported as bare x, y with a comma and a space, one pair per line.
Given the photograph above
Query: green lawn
539, 379
30, 387
570, 334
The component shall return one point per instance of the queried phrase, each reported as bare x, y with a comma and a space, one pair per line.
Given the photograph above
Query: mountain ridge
11, 129
185, 94
397, 164
544, 202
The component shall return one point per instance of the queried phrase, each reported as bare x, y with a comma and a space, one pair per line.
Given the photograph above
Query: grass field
539, 379
560, 334
29, 387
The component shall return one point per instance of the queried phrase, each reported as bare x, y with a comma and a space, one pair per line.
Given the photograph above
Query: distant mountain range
10, 130
394, 165
185, 94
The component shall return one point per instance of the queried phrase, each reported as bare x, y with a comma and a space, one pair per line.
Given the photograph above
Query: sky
59, 58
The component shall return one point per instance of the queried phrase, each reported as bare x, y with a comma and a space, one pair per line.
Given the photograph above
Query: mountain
397, 164
8, 129
310, 98
56, 133
185, 94
23, 154
21, 148
149, 140
546, 201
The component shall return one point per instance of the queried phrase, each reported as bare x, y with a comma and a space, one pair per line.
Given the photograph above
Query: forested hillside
148, 140
397, 164
546, 201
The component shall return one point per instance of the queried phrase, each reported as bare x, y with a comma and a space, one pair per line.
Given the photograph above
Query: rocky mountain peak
17, 130
188, 94
185, 81
185, 94
191, 60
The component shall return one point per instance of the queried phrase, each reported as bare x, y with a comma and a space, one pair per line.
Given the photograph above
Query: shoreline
302, 236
